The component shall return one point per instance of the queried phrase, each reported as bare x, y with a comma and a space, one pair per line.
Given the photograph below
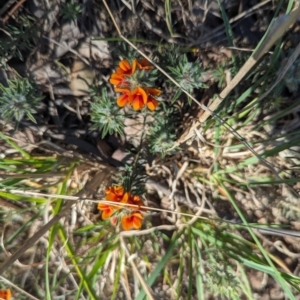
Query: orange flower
124, 98
133, 220
144, 65
125, 67
119, 77
5, 294
117, 194
132, 91
138, 98
152, 103
114, 193
118, 80
107, 210
125, 198
136, 200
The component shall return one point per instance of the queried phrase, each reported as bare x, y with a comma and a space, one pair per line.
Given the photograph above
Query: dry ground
61, 56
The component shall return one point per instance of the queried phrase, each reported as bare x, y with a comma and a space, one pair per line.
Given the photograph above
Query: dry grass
223, 211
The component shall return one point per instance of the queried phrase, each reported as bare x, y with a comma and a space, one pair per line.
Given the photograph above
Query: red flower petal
138, 98
152, 103
136, 200
118, 190
107, 213
116, 79
144, 64
134, 65
137, 220
107, 210
125, 66
5, 294
114, 193
153, 91
138, 103
125, 198
134, 220
126, 222
124, 98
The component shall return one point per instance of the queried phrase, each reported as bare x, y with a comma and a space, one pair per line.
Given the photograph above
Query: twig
6, 6
11, 12
147, 231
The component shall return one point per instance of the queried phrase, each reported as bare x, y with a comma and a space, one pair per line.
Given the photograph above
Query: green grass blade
191, 263
168, 9
118, 274
14, 145
71, 253
229, 33
199, 282
276, 274
160, 266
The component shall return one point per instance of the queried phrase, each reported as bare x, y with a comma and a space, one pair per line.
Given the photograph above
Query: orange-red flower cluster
117, 194
133, 93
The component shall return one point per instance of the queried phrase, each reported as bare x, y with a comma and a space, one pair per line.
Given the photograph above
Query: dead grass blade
135, 270
272, 35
